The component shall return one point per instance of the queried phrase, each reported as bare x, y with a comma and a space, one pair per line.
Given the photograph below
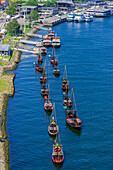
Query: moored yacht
70, 17
88, 17
103, 13
79, 17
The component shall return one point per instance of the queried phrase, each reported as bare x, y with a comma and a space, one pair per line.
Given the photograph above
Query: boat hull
70, 19
39, 69
48, 109
56, 73
57, 161
74, 127
47, 45
53, 133
56, 46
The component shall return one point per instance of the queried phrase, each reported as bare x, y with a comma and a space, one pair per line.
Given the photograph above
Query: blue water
87, 51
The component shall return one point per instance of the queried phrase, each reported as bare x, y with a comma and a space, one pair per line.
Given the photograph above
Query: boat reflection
53, 137
58, 166
78, 132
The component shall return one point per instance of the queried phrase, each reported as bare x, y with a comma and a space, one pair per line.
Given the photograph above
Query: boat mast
65, 73
74, 107
53, 52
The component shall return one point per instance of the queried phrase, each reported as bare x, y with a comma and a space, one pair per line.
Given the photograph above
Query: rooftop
32, 7
4, 47
50, 8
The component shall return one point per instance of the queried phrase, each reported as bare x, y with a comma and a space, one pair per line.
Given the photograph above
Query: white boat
79, 18
88, 18
70, 17
103, 13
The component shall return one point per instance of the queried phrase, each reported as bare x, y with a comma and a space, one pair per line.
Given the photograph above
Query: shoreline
4, 142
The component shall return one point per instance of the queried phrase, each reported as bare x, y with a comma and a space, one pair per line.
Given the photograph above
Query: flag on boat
45, 97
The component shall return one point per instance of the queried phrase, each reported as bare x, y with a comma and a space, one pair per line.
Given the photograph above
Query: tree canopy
33, 16
11, 9
32, 3
13, 4
52, 3
13, 27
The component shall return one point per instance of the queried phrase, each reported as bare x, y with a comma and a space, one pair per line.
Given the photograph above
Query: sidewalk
1, 71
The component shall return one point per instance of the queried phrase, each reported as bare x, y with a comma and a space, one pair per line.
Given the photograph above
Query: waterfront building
47, 11
4, 49
66, 5
25, 10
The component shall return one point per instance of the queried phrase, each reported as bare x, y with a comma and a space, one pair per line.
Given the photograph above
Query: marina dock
28, 51
34, 35
38, 44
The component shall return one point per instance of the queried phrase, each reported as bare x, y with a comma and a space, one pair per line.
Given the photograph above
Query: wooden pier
34, 35
38, 44
35, 51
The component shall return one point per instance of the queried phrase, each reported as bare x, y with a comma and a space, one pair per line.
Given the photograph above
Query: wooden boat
67, 102
48, 105
47, 42
39, 68
56, 42
53, 59
56, 71
72, 116
53, 128
43, 78
44, 91
65, 81
51, 34
57, 155
43, 50
39, 59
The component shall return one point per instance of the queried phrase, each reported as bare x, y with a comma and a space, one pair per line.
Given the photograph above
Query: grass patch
3, 84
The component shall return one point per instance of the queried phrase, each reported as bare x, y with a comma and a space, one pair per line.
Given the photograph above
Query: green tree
13, 27
32, 3
52, 3
13, 4
34, 15
11, 10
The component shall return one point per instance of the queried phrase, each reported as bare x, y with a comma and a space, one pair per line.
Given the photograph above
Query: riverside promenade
2, 154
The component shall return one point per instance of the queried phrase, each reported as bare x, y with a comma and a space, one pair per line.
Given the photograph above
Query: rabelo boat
67, 102
56, 71
48, 106
53, 59
39, 59
51, 34
65, 81
72, 116
47, 42
43, 50
57, 155
39, 68
44, 91
43, 78
56, 42
53, 128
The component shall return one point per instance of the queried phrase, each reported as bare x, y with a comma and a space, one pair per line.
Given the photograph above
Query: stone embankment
4, 143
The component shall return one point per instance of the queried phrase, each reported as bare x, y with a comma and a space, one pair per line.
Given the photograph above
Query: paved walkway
1, 71
2, 156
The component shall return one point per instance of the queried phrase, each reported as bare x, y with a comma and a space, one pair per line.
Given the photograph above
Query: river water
87, 51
